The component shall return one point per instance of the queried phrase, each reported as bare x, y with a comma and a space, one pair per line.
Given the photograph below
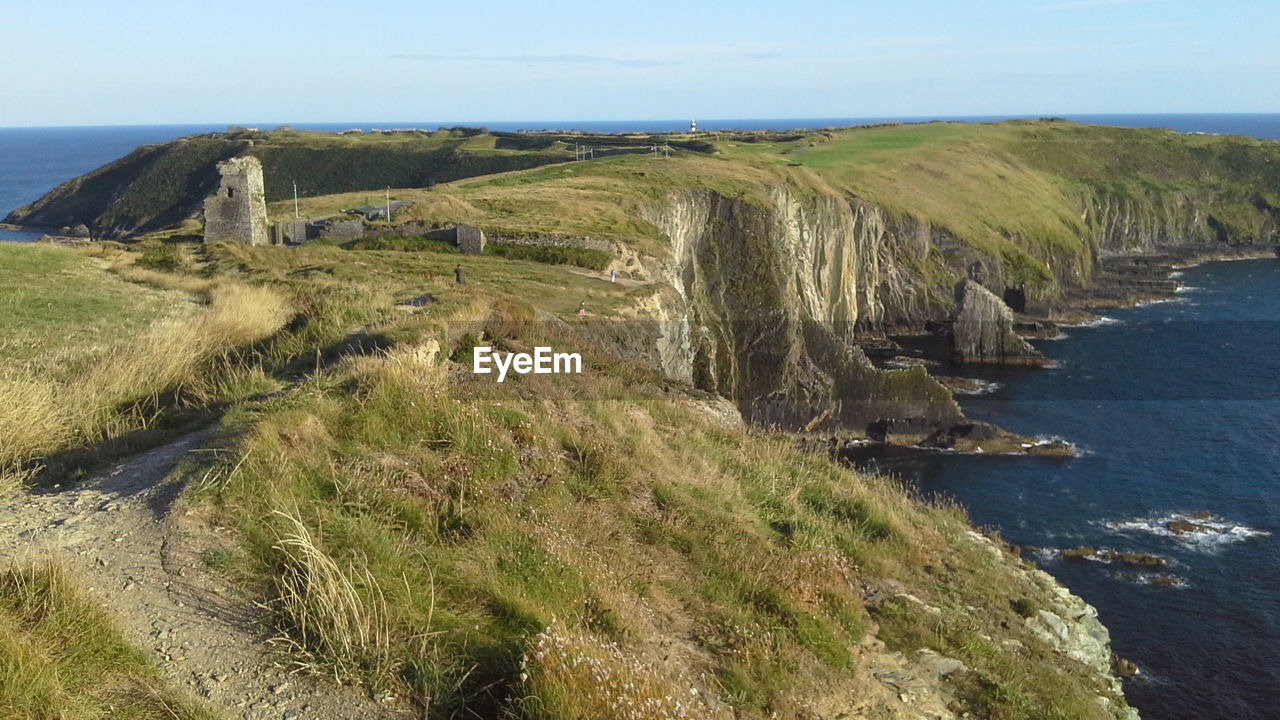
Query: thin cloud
1085, 4
538, 60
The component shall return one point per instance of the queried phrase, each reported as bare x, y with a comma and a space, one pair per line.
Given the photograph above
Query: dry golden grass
43, 414
319, 601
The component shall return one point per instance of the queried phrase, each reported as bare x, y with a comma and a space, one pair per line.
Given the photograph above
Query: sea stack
982, 331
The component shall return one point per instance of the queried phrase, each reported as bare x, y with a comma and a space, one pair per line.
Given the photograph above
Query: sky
236, 61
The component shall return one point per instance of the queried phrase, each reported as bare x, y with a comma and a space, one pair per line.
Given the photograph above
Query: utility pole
388, 203
295, 200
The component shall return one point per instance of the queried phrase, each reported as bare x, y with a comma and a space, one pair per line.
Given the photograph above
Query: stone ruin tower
237, 212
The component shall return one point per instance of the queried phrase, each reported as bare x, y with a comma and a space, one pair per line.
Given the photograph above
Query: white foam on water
1188, 289
1160, 301
984, 388
1047, 554
1098, 322
1042, 440
1211, 534
1175, 274
1173, 582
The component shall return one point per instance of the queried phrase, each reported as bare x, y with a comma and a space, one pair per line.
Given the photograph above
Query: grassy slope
55, 301
428, 531
161, 185
102, 350
62, 659
482, 547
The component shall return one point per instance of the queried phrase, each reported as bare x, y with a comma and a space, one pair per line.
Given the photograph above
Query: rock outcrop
982, 331
767, 300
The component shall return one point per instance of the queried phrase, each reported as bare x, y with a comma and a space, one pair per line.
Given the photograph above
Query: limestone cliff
768, 301
982, 330
1179, 222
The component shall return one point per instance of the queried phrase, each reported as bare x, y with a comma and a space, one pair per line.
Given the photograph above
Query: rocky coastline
984, 330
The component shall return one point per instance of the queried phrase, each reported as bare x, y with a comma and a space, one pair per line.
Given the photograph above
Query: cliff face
1178, 222
768, 297
775, 261
982, 330
768, 301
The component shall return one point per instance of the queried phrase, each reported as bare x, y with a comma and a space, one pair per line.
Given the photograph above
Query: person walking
613, 276
457, 275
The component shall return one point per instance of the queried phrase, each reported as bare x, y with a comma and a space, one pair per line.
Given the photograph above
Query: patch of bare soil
134, 544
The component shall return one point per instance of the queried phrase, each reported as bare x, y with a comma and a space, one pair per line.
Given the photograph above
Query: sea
1173, 407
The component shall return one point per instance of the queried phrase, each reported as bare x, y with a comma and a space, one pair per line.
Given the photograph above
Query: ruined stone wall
470, 240
541, 239
237, 210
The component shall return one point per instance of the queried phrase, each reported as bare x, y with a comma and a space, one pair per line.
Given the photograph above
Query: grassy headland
616, 544
610, 545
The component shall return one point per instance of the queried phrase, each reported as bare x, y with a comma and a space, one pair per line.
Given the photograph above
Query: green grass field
60, 308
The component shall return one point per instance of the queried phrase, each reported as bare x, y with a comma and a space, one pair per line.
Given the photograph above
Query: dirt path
133, 543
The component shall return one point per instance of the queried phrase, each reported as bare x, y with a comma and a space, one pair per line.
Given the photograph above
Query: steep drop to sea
1176, 411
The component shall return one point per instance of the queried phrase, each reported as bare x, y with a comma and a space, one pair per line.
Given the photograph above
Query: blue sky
149, 62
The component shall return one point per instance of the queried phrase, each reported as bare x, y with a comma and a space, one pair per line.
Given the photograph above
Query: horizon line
418, 124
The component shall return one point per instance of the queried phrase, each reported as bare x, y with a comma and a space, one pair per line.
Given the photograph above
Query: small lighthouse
693, 126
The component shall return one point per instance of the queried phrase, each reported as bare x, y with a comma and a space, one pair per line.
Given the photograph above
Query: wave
1160, 301
1199, 531
1097, 322
1042, 440
981, 387
1188, 289
1158, 579
1176, 274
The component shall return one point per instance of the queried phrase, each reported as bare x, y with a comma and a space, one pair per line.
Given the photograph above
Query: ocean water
1175, 408
34, 160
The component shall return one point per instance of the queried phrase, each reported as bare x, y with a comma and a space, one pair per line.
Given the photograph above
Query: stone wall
341, 230
294, 232
237, 210
468, 239
553, 240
